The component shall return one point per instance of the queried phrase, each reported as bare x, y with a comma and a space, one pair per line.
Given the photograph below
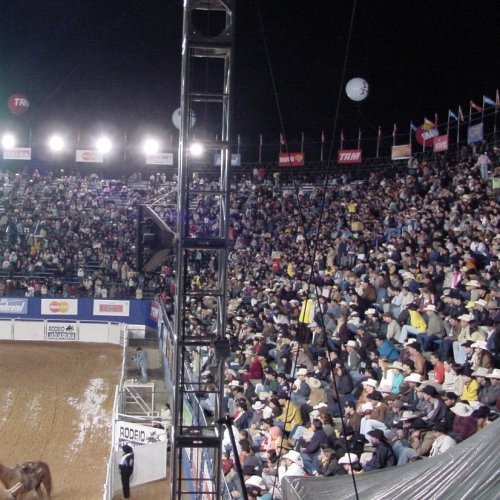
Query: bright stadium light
8, 141
196, 149
56, 143
151, 146
103, 145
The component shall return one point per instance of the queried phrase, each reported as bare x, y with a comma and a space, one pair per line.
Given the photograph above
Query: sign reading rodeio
62, 332
60, 307
137, 434
111, 308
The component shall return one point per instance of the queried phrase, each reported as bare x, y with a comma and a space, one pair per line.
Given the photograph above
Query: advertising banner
62, 332
137, 434
17, 154
13, 306
349, 156
440, 144
401, 152
291, 159
60, 307
111, 308
426, 134
475, 133
235, 160
89, 156
160, 159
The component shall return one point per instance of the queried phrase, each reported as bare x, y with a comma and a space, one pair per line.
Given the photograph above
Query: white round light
196, 149
56, 143
103, 145
8, 141
357, 89
151, 146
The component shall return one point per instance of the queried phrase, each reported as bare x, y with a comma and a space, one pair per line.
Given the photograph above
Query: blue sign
14, 306
475, 133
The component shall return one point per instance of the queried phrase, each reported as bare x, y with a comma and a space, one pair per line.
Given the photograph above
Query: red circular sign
425, 135
18, 104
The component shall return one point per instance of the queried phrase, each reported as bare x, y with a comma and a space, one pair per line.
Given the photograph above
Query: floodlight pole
197, 443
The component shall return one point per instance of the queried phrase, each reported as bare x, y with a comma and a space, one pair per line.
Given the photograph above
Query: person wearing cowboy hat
482, 356
464, 424
410, 396
350, 463
489, 394
316, 397
367, 422
290, 466
290, 417
383, 455
256, 488
301, 389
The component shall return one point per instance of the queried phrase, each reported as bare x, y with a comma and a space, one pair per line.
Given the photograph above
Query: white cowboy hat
480, 344
234, 383
407, 415
320, 405
473, 284
414, 377
370, 311
481, 302
314, 382
294, 456
494, 374
430, 307
348, 458
465, 317
481, 372
410, 342
462, 409
258, 405
256, 481
352, 343
371, 382
397, 365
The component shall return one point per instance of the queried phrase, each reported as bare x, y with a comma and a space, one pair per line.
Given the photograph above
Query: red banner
349, 156
291, 159
440, 144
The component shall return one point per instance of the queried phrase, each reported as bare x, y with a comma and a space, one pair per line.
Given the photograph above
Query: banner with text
137, 434
291, 159
89, 156
160, 159
440, 143
60, 307
475, 133
13, 306
111, 308
17, 154
349, 156
62, 332
401, 152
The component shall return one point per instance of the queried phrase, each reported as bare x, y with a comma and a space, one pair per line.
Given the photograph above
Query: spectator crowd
362, 315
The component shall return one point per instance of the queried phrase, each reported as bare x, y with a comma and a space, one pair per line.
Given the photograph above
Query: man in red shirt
438, 368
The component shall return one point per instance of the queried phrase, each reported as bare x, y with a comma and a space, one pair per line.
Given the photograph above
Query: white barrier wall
6, 329
29, 330
62, 331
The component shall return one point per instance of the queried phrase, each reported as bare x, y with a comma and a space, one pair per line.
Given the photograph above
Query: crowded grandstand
370, 343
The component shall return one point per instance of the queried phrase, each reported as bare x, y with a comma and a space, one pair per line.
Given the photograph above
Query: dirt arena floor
56, 402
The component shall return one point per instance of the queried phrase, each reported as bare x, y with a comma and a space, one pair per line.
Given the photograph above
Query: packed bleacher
362, 315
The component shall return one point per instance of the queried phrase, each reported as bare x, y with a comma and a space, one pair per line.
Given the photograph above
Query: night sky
90, 64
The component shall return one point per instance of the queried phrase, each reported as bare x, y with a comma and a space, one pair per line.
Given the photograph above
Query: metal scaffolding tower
202, 222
